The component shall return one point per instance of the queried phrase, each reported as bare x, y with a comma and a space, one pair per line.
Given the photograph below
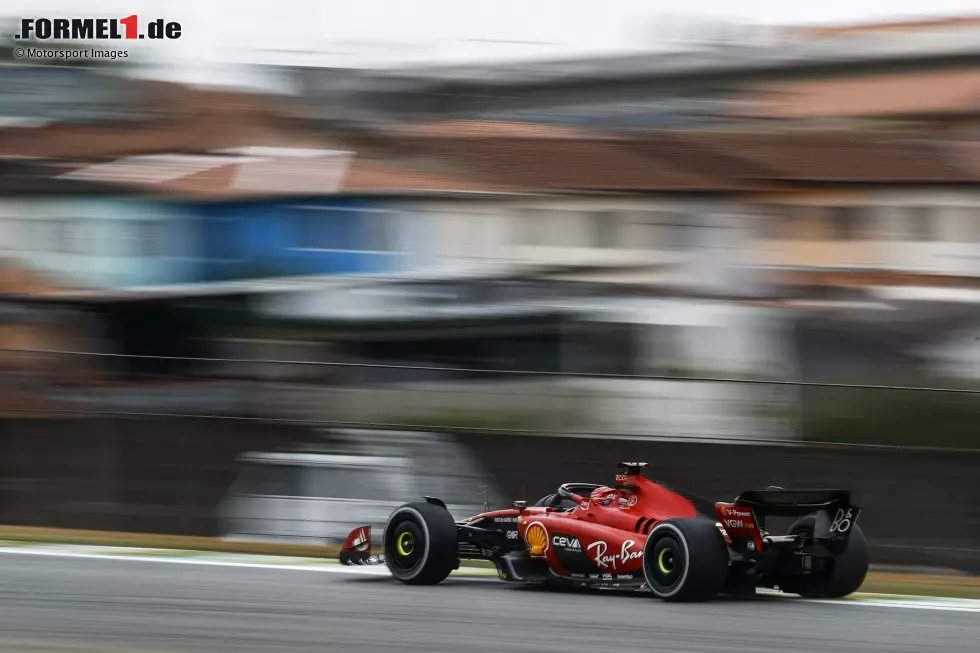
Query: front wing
357, 549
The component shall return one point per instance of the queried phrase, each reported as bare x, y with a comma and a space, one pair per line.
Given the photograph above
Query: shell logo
537, 539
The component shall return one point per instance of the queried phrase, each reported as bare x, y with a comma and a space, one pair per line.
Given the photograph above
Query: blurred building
752, 78
39, 94
571, 248
205, 224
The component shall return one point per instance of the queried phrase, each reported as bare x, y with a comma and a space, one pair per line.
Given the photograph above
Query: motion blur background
312, 260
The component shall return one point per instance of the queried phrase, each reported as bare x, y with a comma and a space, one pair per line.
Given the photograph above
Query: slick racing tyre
420, 544
842, 576
685, 560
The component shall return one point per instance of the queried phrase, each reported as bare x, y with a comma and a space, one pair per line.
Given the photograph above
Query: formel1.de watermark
97, 29
65, 54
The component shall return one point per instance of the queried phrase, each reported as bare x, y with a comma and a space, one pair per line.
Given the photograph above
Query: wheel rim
665, 565
405, 544
665, 560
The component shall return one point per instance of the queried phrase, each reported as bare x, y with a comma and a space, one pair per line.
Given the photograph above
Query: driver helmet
606, 496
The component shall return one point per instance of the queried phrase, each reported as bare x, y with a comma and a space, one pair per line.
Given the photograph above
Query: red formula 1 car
637, 534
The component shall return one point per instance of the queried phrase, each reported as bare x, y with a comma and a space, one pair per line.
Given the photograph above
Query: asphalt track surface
66, 604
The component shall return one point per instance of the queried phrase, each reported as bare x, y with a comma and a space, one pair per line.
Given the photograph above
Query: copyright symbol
19, 53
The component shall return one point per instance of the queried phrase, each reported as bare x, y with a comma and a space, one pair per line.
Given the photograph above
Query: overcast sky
379, 32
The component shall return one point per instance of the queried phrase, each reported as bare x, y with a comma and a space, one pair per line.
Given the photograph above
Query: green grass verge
153, 541
960, 587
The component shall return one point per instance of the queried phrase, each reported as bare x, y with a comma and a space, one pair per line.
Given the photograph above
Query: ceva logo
570, 543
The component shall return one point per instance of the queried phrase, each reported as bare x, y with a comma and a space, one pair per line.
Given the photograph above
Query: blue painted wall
300, 237
111, 242
103, 242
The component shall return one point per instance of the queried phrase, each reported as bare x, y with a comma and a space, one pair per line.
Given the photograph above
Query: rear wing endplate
835, 512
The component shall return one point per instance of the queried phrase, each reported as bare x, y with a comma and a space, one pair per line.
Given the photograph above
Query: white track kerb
282, 563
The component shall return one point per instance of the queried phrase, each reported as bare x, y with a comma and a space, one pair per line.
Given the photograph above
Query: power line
507, 372
498, 430
475, 429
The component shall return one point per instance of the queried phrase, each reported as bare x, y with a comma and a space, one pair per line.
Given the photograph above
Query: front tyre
420, 544
685, 560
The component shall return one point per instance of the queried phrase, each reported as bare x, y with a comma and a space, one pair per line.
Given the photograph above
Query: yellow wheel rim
666, 566
405, 544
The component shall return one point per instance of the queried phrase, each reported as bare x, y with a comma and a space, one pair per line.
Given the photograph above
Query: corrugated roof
486, 129
89, 141
898, 94
228, 176
814, 157
660, 161
185, 120
878, 278
215, 155
371, 176
956, 22
565, 164
150, 168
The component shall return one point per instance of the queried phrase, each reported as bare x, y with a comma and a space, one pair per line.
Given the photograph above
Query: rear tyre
842, 576
420, 544
685, 560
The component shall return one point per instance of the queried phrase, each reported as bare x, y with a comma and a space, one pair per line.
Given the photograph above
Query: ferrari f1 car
637, 534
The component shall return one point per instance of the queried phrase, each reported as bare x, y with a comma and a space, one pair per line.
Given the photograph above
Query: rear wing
745, 518
792, 503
